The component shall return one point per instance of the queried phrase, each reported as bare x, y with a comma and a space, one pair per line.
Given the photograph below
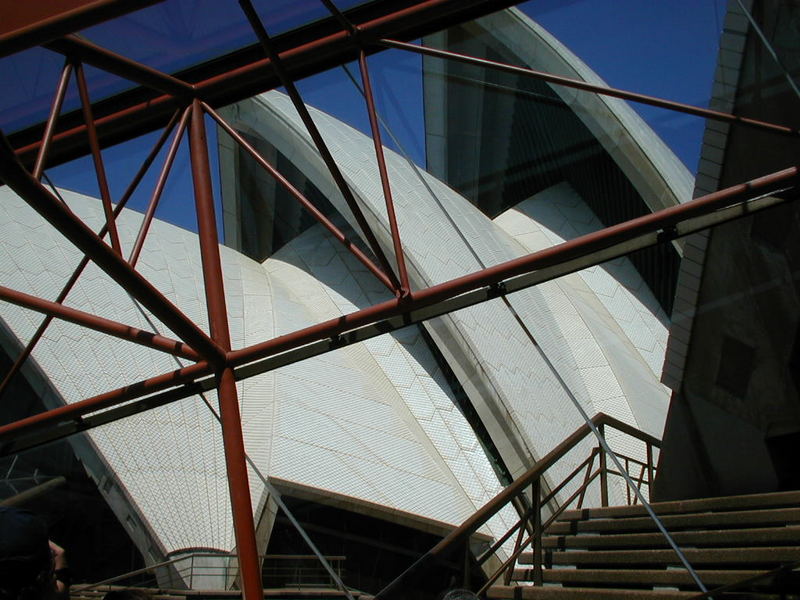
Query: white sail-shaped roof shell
374, 424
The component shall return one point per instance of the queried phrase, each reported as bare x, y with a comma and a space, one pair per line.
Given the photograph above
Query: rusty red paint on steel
77, 48
138, 244
137, 389
411, 20
581, 246
107, 326
405, 288
52, 118
232, 438
557, 254
239, 487
73, 137
207, 228
97, 158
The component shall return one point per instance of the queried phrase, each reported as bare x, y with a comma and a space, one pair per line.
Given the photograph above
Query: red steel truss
180, 103
245, 73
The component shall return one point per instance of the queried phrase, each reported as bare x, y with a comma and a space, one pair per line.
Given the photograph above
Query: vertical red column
233, 440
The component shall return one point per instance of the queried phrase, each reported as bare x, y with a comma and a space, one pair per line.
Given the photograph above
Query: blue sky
665, 48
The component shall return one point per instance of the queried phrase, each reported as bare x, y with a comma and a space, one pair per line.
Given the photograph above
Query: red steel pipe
334, 10
714, 115
410, 20
138, 244
164, 104
97, 157
298, 195
405, 288
239, 487
80, 49
85, 260
121, 395
232, 437
207, 228
461, 534
60, 217
55, 110
148, 161
107, 326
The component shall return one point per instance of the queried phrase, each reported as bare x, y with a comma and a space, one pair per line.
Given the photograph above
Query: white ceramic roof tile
616, 288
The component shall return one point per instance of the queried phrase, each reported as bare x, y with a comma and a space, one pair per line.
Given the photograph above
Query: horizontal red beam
245, 73
585, 251
592, 242
107, 326
74, 411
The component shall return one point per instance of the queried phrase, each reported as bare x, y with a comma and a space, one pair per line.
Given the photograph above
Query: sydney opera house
375, 349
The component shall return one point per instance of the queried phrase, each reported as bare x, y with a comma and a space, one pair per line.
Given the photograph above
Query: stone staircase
617, 552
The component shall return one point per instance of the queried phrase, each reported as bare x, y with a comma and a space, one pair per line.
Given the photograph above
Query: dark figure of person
31, 566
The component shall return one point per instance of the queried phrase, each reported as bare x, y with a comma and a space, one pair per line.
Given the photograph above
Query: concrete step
697, 557
673, 522
726, 503
636, 577
615, 550
559, 593
764, 536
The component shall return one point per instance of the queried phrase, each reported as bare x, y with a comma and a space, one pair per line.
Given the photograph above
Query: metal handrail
588, 462
134, 573
461, 534
508, 566
206, 568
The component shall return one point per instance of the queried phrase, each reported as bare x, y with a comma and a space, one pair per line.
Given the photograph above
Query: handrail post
536, 493
639, 484
587, 477
650, 474
627, 487
510, 571
603, 470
